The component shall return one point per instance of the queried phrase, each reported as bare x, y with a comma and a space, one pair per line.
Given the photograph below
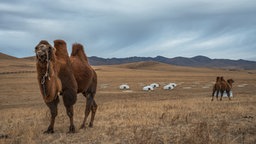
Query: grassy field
183, 115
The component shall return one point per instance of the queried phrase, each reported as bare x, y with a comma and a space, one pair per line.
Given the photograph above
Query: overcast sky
125, 28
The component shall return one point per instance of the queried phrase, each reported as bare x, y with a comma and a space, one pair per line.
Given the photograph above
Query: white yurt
173, 84
148, 88
168, 87
154, 85
124, 87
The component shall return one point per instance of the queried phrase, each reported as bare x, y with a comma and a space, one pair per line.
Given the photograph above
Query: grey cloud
129, 28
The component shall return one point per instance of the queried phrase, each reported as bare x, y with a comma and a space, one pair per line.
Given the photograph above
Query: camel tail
78, 51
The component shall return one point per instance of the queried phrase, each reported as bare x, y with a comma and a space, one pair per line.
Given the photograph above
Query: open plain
185, 114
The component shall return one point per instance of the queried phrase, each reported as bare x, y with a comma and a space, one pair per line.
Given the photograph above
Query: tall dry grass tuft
145, 136
199, 134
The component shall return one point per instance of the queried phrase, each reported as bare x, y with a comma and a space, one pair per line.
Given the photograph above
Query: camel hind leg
213, 92
70, 113
93, 109
88, 108
217, 94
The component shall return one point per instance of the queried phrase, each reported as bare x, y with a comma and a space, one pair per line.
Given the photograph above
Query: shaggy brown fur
86, 79
69, 85
216, 88
49, 82
226, 86
47, 77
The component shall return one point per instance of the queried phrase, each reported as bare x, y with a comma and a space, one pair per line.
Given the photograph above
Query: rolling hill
5, 56
12, 64
197, 61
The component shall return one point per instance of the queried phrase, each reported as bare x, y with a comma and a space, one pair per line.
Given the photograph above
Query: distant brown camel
226, 86
216, 88
55, 75
86, 79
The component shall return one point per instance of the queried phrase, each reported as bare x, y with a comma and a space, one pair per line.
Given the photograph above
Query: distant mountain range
5, 56
197, 61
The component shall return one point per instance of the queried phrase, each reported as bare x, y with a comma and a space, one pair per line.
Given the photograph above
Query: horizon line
144, 57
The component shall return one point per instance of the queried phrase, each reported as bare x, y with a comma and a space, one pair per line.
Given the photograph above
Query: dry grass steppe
185, 114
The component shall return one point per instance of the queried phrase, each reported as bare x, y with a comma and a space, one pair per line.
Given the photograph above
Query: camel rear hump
78, 51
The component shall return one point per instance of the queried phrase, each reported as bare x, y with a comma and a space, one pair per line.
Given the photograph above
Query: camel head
230, 81
43, 51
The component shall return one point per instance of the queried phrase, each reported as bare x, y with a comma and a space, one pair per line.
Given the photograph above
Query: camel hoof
72, 129
90, 125
49, 131
82, 126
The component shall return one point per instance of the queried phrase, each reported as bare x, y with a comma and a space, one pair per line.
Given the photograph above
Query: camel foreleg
217, 94
54, 112
228, 93
221, 95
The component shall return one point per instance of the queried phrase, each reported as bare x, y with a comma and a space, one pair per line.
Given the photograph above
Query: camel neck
46, 71
230, 84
